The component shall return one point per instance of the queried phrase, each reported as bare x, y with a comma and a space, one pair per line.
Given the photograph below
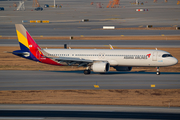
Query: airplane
96, 60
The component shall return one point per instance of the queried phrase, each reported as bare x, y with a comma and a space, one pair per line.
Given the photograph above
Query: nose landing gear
158, 72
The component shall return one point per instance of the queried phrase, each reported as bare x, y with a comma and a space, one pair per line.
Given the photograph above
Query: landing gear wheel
86, 72
158, 73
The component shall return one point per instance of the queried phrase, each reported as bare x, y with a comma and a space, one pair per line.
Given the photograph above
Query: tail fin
27, 44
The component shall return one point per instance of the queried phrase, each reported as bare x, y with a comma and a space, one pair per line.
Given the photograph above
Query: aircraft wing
111, 47
69, 60
72, 61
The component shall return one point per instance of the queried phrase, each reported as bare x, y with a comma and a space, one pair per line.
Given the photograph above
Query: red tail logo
149, 55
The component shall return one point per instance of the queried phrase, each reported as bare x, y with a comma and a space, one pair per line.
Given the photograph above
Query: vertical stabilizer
29, 48
26, 42
22, 37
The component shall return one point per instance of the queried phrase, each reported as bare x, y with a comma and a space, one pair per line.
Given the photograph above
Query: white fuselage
118, 57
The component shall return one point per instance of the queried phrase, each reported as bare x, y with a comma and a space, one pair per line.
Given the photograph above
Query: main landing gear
158, 72
87, 71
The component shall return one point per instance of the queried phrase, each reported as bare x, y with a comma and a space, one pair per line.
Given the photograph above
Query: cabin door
154, 57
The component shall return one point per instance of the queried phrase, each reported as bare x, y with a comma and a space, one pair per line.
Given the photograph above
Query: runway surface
77, 30
99, 43
62, 80
67, 21
89, 112
72, 12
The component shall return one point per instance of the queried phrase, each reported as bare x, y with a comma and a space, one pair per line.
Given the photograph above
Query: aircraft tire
86, 72
158, 73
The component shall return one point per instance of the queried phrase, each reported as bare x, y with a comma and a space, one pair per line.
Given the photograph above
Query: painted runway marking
96, 86
153, 85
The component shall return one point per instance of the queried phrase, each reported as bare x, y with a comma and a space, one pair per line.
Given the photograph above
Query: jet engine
101, 67
122, 68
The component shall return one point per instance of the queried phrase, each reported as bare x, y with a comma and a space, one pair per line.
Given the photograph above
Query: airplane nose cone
175, 61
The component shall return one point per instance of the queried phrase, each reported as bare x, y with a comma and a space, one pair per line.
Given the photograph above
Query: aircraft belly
113, 62
133, 62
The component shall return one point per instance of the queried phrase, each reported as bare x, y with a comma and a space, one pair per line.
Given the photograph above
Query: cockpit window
166, 55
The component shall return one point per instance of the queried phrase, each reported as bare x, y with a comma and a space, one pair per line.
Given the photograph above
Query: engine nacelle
122, 68
101, 67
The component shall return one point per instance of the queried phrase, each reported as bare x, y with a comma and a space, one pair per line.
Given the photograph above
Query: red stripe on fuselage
49, 61
33, 48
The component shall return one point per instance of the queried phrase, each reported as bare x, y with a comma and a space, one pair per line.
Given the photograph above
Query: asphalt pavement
89, 112
98, 43
65, 80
